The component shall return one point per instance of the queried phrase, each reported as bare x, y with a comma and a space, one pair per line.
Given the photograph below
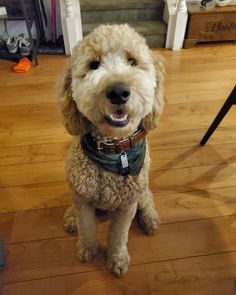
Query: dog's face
114, 83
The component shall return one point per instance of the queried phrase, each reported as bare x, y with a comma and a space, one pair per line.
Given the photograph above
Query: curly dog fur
83, 105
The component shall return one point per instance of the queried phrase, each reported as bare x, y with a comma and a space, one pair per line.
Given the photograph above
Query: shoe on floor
12, 44
24, 47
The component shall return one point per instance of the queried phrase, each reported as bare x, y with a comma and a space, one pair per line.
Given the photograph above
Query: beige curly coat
83, 104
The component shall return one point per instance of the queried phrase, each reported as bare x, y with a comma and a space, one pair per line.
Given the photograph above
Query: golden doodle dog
112, 95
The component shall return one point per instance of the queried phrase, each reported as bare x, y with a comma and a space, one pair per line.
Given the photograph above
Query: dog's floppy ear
72, 118
151, 120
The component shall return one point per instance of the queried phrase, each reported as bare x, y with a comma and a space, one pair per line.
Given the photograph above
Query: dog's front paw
87, 253
149, 220
70, 224
118, 264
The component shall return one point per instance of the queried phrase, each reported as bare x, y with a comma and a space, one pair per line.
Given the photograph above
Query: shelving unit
29, 18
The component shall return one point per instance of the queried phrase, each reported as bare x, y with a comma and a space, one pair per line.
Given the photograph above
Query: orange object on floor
23, 65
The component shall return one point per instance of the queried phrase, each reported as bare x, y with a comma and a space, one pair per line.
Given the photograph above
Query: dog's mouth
117, 119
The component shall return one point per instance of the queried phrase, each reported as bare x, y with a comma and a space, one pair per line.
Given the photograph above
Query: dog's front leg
118, 256
147, 215
87, 242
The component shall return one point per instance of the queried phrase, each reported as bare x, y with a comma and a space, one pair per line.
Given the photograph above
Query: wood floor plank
162, 181
210, 90
32, 225
46, 115
192, 108
190, 179
208, 273
184, 86
35, 153
203, 53
29, 137
193, 157
42, 74
6, 225
25, 93
217, 286
190, 138
188, 122
34, 196
47, 223
159, 139
32, 173
35, 116
34, 189
161, 159
38, 259
196, 204
39, 224
174, 117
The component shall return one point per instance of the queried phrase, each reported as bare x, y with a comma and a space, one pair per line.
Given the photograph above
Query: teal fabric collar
129, 162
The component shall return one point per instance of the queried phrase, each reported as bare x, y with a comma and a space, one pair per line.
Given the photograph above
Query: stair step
153, 31
118, 4
122, 15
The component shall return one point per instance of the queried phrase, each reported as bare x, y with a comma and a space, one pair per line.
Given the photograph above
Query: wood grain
174, 118
35, 153
159, 139
47, 223
190, 138
25, 92
161, 158
187, 179
38, 259
196, 156
214, 272
30, 196
178, 122
46, 187
30, 116
29, 136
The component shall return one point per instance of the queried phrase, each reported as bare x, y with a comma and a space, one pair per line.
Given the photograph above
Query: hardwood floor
194, 187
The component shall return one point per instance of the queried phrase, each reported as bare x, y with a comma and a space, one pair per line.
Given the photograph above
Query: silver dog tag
124, 164
124, 161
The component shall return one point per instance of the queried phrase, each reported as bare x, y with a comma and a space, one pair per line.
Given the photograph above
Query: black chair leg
227, 105
28, 26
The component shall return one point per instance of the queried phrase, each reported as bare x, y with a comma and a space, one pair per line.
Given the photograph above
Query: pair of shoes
15, 43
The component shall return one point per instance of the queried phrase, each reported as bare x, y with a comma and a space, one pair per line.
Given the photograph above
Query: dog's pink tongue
118, 115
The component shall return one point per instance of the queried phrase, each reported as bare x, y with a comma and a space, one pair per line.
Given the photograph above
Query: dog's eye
132, 62
94, 65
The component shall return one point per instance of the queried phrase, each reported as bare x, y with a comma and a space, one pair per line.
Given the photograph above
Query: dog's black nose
118, 93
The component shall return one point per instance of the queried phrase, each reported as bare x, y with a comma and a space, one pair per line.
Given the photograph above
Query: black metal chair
231, 100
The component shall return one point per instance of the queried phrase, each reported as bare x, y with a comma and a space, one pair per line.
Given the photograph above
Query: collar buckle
105, 141
115, 146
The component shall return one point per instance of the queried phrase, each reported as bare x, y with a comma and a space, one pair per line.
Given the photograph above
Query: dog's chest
115, 190
106, 190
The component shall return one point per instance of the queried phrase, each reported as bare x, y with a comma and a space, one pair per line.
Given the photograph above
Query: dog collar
113, 146
125, 157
